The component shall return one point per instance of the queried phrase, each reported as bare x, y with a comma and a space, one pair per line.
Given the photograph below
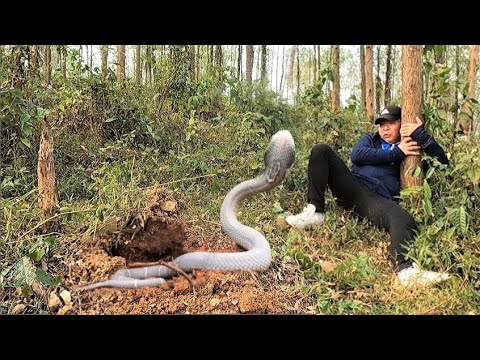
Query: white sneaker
307, 218
413, 276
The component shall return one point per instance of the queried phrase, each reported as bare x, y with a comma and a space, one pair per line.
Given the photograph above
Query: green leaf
110, 119
24, 118
277, 208
65, 209
42, 277
426, 190
99, 213
40, 111
428, 207
429, 172
37, 254
27, 130
26, 142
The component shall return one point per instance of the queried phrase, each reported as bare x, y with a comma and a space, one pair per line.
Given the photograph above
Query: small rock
53, 301
234, 302
214, 302
168, 205
18, 309
64, 310
66, 297
327, 266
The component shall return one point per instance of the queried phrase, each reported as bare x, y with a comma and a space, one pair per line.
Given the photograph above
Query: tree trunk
412, 85
219, 62
239, 63
91, 59
336, 76
457, 75
314, 63
48, 65
47, 181
121, 64
104, 51
35, 59
283, 71
263, 72
369, 98
249, 69
394, 66
362, 72
64, 62
467, 108
388, 74
290, 77
378, 83
191, 62
318, 60
17, 71
298, 70
138, 65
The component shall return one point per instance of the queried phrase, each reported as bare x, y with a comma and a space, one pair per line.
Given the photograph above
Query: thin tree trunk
192, 62
319, 60
467, 107
412, 84
91, 59
314, 63
457, 75
388, 74
394, 66
378, 83
263, 73
219, 62
369, 96
362, 72
47, 181
249, 69
121, 64
104, 50
138, 65
336, 75
276, 70
48, 65
239, 63
298, 70
283, 71
64, 62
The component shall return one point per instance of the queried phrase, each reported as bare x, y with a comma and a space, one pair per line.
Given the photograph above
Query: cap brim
386, 117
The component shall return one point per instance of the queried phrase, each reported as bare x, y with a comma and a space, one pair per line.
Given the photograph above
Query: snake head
279, 157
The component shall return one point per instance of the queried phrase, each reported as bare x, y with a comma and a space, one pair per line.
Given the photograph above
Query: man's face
390, 131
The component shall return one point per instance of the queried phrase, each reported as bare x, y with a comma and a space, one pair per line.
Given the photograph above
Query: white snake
279, 158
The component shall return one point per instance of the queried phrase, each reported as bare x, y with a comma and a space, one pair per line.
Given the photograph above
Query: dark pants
325, 167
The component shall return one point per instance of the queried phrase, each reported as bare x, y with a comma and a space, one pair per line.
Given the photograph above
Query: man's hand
408, 128
409, 146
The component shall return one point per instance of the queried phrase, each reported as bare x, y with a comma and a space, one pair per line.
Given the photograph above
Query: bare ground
163, 236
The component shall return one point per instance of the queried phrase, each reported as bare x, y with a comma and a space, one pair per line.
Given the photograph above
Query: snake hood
279, 157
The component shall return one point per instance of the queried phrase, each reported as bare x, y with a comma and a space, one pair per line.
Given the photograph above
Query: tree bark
369, 97
104, 51
263, 73
388, 74
336, 75
48, 65
362, 71
138, 65
378, 83
47, 181
239, 63
249, 69
412, 85
121, 64
467, 108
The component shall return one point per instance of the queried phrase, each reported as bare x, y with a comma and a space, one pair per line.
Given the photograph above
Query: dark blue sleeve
429, 145
365, 153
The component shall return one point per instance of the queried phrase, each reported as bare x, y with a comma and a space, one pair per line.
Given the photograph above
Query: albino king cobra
279, 158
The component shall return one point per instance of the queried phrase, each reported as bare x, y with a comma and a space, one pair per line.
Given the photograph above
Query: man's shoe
307, 218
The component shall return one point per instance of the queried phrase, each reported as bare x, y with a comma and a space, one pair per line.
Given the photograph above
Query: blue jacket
379, 169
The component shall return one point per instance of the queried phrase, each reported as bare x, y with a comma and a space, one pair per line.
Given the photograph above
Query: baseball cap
390, 113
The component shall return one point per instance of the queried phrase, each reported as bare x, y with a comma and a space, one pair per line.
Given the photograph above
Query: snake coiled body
279, 158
